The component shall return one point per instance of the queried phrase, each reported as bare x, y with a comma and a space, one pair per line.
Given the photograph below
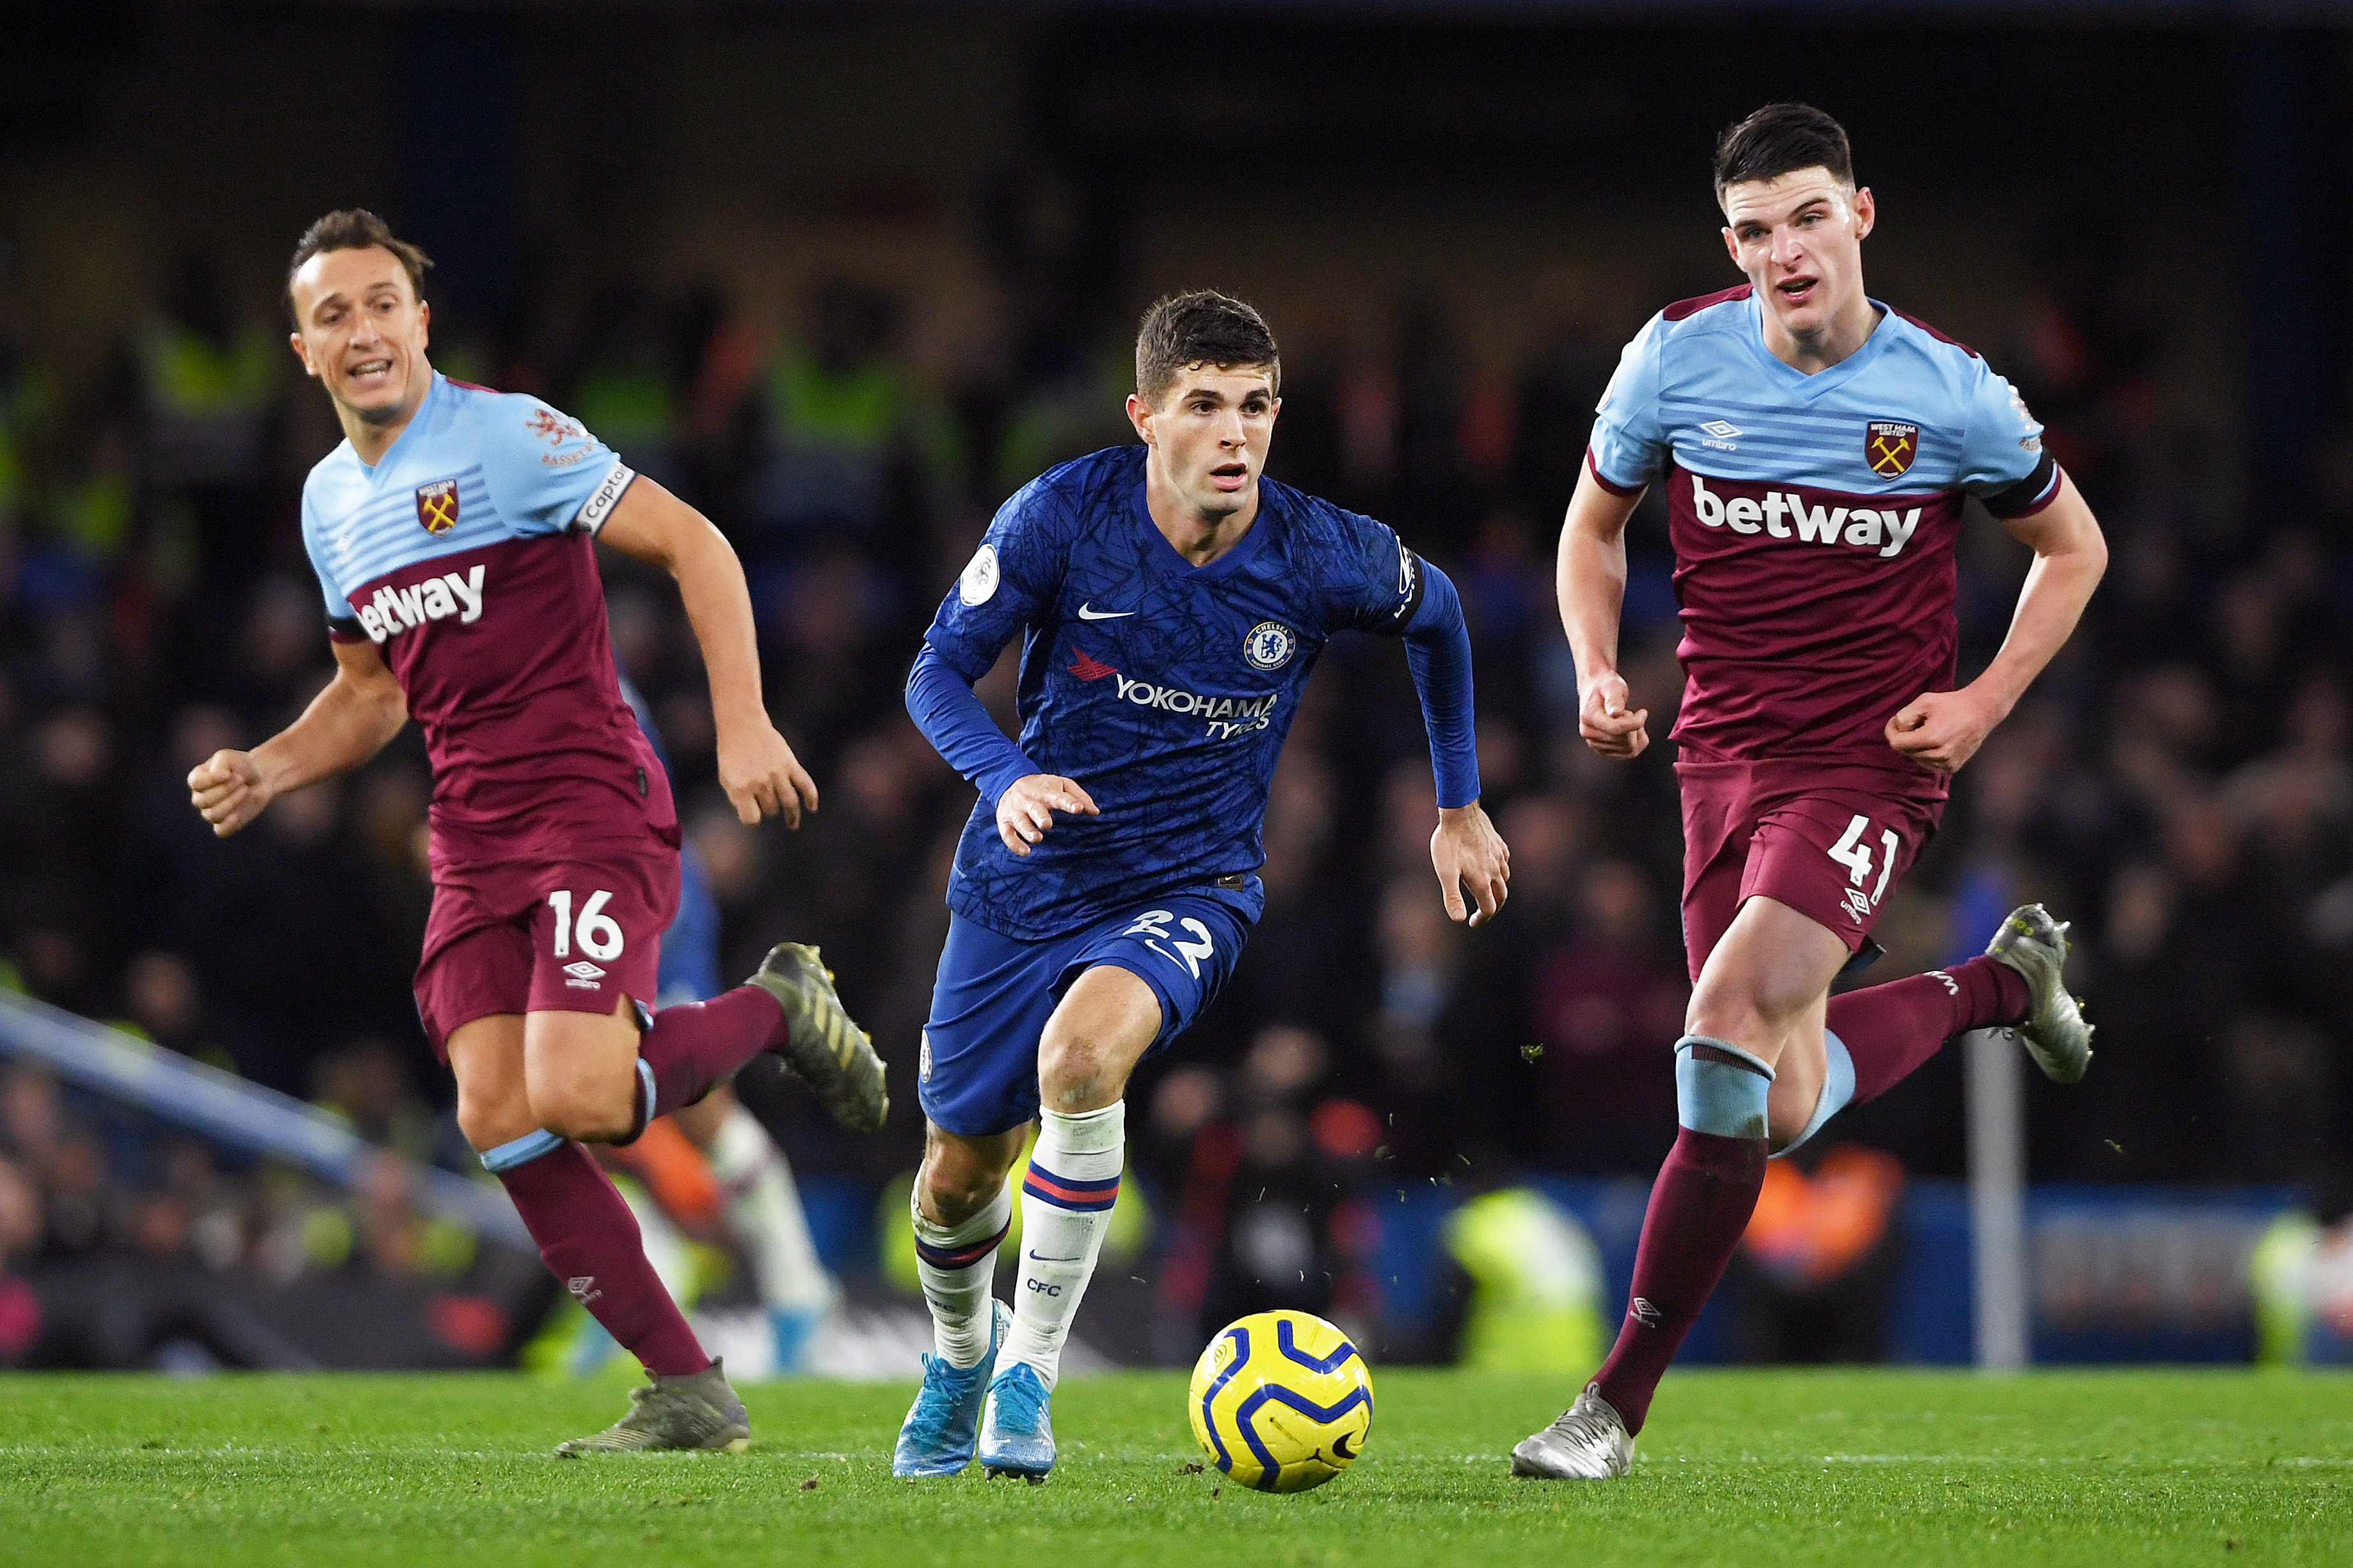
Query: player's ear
1139, 414
423, 323
1866, 212
302, 353
1732, 246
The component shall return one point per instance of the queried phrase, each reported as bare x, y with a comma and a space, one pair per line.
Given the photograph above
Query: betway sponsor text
1786, 514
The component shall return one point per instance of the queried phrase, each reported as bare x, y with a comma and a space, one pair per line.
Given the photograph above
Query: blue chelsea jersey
1164, 689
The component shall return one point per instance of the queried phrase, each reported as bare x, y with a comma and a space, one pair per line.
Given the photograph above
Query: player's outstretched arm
1591, 582
1941, 731
361, 710
756, 767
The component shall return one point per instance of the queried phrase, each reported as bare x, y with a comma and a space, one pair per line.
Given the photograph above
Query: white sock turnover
957, 1265
763, 1212
1066, 1204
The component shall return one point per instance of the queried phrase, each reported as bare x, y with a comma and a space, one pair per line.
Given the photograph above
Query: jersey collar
1820, 382
1175, 565
423, 405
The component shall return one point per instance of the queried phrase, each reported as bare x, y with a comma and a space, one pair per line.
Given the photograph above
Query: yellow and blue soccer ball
1281, 1401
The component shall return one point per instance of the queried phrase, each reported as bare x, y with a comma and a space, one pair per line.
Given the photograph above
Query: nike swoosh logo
1089, 613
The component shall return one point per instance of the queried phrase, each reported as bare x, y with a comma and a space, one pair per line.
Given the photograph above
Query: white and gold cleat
2055, 1035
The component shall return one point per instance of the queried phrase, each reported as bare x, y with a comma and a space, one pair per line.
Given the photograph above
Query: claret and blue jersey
1164, 688
466, 554
1813, 516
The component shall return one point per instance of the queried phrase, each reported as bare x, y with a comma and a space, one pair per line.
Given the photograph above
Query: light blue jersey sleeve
545, 472
339, 608
2003, 445
1629, 445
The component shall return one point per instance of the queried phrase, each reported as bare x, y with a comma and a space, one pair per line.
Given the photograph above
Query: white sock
1066, 1202
763, 1213
957, 1265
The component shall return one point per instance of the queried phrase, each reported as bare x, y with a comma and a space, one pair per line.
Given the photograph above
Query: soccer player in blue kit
1171, 604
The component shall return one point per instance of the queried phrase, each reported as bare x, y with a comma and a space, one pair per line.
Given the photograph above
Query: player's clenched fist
763, 778
1604, 719
1942, 730
228, 790
1025, 812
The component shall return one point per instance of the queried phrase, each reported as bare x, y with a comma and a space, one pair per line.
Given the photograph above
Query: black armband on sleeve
346, 628
2030, 494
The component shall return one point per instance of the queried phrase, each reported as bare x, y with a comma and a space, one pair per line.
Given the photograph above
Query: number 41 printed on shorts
1853, 854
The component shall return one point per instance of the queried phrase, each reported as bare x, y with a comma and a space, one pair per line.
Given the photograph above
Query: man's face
1799, 236
363, 331
1211, 432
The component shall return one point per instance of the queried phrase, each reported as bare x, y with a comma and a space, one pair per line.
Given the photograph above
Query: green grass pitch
1888, 1469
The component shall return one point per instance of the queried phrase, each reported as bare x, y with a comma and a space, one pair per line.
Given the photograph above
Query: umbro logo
1089, 613
1722, 429
585, 977
1648, 1316
583, 1287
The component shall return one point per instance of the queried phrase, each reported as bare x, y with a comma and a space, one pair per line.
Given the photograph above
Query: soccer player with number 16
1817, 449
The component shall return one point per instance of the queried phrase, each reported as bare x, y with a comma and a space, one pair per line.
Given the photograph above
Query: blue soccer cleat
1017, 1438
937, 1440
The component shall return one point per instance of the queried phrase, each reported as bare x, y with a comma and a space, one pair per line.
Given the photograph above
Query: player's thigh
1834, 850
1136, 983
962, 1174
595, 942
486, 1057
581, 1072
976, 1073
1773, 965
1717, 822
1105, 1022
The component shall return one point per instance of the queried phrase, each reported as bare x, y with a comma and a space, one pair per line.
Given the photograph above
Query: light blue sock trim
646, 1083
1757, 1064
521, 1151
1838, 1090
1719, 1098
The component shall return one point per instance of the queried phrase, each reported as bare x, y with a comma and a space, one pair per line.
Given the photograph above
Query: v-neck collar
1818, 384
375, 470
1174, 564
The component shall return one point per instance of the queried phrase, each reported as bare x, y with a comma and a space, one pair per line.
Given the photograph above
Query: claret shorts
1828, 839
575, 935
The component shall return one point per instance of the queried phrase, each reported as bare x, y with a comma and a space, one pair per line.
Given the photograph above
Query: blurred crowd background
845, 278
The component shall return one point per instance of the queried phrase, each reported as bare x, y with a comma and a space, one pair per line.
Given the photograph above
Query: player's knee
1078, 1072
489, 1120
952, 1195
1752, 1017
571, 1109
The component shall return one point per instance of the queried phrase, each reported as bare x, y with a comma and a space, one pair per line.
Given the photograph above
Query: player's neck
1838, 339
370, 441
1190, 532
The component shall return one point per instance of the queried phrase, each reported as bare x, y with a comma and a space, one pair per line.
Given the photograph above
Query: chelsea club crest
1268, 646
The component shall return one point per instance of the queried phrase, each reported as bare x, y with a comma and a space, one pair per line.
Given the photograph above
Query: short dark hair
1780, 138
354, 228
1202, 326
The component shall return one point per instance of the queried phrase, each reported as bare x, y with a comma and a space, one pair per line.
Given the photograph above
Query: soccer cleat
1017, 1438
2056, 1036
822, 1046
692, 1410
1589, 1442
937, 1438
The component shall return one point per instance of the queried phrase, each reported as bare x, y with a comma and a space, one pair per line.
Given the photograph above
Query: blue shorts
989, 1006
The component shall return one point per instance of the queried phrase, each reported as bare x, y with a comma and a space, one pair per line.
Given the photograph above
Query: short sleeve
2002, 460
1014, 576
1372, 582
1630, 444
545, 472
343, 622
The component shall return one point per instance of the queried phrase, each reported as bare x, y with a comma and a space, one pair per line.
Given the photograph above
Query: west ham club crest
437, 505
1889, 445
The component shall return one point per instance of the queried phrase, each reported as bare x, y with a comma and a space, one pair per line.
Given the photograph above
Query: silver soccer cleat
697, 1410
2056, 1036
1589, 1442
823, 1046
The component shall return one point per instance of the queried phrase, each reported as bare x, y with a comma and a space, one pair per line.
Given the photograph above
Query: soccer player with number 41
1171, 602
452, 532
1817, 449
